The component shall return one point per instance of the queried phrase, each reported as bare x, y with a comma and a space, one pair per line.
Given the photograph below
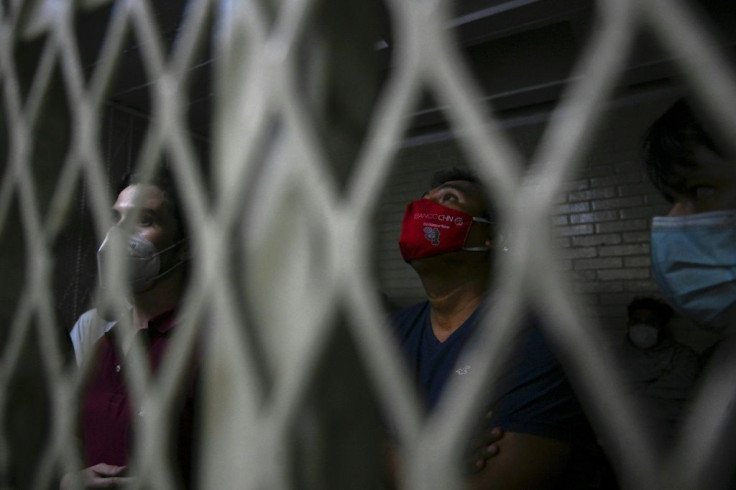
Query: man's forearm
524, 462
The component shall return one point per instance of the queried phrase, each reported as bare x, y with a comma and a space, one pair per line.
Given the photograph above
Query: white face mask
643, 336
143, 262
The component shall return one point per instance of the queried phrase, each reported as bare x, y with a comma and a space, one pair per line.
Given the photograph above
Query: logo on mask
424, 222
432, 234
463, 370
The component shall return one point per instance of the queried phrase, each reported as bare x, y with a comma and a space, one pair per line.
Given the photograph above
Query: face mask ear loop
162, 274
169, 247
156, 278
483, 248
159, 276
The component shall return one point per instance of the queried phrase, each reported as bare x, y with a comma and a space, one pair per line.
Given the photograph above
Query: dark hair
669, 143
164, 180
449, 174
454, 173
662, 310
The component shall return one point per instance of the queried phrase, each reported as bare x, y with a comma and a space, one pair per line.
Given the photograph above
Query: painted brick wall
603, 221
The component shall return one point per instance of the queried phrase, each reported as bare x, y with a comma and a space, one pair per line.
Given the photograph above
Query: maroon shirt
107, 411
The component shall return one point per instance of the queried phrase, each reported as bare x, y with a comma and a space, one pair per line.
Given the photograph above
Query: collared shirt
107, 417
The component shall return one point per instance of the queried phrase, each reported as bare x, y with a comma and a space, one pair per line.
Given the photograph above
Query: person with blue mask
694, 246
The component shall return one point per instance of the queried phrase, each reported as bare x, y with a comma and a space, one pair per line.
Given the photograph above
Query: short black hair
661, 309
164, 180
455, 173
669, 143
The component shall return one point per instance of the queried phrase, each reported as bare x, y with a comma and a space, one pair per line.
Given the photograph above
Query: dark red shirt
107, 418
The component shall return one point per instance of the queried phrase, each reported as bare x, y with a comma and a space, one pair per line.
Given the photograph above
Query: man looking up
447, 236
157, 257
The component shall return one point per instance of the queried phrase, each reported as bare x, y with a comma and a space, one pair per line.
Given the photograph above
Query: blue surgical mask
694, 263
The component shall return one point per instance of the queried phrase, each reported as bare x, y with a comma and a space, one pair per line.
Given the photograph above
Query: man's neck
160, 298
454, 294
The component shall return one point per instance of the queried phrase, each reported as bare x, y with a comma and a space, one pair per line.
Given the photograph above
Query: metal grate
307, 269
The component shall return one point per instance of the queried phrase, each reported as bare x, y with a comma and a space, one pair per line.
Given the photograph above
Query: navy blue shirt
533, 395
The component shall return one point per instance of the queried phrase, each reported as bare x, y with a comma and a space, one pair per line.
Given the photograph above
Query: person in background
694, 246
661, 371
448, 237
157, 259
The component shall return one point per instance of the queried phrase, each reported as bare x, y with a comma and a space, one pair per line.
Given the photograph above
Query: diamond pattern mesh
310, 267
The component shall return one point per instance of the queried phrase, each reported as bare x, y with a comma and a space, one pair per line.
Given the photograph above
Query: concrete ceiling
522, 52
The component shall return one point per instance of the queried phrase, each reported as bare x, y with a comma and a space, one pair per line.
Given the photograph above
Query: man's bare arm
484, 449
523, 462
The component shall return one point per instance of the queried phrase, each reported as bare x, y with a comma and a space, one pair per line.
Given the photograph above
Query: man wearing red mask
448, 237
146, 218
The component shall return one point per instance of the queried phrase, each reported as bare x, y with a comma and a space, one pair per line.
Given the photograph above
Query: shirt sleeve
535, 395
87, 330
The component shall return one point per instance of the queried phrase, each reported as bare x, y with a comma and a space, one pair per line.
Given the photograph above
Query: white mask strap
481, 248
170, 247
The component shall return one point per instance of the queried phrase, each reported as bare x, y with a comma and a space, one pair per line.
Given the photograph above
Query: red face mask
431, 229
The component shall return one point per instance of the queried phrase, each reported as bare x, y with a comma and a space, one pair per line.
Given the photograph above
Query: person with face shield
448, 237
155, 254
661, 372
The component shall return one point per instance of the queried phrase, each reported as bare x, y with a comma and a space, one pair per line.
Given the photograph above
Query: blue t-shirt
533, 395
